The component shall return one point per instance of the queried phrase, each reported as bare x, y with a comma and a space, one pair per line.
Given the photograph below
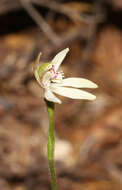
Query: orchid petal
72, 93
57, 60
36, 64
78, 83
46, 79
51, 97
36, 67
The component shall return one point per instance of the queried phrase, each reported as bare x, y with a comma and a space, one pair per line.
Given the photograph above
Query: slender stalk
51, 143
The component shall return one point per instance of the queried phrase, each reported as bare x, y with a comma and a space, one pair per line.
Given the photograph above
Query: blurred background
88, 152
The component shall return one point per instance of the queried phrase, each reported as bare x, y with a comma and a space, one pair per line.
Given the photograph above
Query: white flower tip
67, 49
90, 84
64, 52
93, 97
35, 66
95, 85
51, 97
39, 55
59, 102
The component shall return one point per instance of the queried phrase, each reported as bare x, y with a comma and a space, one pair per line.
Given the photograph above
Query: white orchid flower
52, 80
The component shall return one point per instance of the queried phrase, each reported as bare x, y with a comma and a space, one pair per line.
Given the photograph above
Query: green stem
51, 143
